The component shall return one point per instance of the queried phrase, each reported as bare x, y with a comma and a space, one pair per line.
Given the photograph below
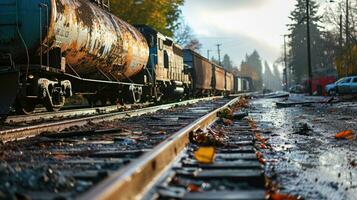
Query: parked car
346, 85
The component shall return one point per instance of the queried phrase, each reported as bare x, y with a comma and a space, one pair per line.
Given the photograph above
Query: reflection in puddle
314, 165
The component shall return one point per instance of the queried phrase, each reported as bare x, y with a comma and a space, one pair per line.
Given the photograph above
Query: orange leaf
261, 161
283, 197
193, 188
344, 134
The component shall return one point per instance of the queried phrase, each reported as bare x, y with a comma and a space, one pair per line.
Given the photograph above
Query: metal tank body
95, 43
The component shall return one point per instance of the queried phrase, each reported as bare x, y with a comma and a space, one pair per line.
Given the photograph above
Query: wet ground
306, 160
64, 165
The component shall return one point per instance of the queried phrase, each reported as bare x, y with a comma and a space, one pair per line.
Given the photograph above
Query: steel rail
31, 131
134, 180
65, 114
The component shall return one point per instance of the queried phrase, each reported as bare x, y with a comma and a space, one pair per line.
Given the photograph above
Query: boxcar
201, 72
229, 82
219, 79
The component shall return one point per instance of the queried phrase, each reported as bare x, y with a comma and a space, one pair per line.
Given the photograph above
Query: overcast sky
240, 26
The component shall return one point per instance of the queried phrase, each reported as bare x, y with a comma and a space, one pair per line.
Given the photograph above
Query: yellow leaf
205, 155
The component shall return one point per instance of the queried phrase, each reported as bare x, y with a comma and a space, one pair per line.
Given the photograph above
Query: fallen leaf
278, 196
226, 113
193, 188
259, 155
227, 122
344, 134
263, 146
261, 161
205, 155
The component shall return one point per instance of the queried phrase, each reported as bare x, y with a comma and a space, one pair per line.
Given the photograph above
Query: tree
194, 44
227, 62
271, 78
162, 15
298, 51
252, 67
342, 53
184, 37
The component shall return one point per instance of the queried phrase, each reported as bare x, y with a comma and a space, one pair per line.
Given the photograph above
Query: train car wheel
136, 97
53, 105
25, 106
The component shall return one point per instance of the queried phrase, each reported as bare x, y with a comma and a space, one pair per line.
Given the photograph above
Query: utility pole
308, 45
286, 65
347, 24
341, 32
208, 51
219, 53
347, 37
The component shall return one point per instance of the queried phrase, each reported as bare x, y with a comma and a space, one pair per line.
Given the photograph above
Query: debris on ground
209, 137
226, 113
239, 115
302, 128
242, 103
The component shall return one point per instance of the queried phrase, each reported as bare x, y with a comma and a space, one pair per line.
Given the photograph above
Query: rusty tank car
53, 49
50, 49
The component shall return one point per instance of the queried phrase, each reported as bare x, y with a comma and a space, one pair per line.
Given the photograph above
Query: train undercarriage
50, 87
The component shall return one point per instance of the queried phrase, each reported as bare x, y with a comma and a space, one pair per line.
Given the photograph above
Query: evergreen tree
252, 67
298, 43
227, 62
268, 76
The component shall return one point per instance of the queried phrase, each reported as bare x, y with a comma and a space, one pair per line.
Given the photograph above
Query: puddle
313, 165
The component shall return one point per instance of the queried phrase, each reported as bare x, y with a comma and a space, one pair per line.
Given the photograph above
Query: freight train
53, 49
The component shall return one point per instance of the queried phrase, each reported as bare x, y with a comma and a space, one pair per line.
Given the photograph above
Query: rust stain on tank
91, 38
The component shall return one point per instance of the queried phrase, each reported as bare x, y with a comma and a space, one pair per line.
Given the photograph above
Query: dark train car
165, 67
229, 83
219, 79
50, 49
201, 72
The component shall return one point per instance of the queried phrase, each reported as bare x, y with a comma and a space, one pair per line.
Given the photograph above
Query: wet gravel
306, 160
53, 166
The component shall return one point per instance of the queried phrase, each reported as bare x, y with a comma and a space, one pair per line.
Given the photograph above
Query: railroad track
67, 164
170, 171
11, 133
41, 117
